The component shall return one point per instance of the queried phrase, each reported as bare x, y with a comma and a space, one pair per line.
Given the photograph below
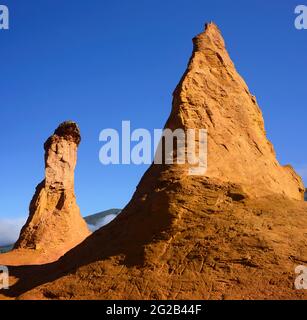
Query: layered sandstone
54, 225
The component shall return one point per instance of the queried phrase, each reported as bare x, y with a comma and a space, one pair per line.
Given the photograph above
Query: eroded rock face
198, 237
55, 225
212, 95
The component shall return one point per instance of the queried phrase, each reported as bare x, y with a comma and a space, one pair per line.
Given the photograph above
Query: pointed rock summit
212, 95
237, 232
54, 225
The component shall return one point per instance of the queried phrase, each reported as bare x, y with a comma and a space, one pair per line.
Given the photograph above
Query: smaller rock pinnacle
69, 130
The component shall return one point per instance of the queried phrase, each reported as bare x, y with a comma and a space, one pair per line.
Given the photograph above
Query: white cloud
102, 222
10, 229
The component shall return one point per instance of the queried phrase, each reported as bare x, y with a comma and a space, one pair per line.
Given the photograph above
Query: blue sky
99, 62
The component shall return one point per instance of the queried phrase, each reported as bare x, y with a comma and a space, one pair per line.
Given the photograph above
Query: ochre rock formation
54, 225
212, 95
237, 232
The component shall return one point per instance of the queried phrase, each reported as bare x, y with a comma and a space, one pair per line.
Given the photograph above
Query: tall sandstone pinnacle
54, 225
237, 232
212, 95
